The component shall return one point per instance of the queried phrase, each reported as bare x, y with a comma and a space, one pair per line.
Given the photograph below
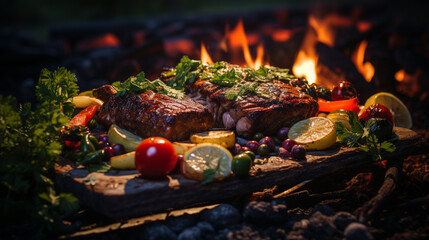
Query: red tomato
377, 111
155, 157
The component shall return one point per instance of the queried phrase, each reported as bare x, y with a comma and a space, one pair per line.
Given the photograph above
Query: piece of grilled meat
254, 113
152, 114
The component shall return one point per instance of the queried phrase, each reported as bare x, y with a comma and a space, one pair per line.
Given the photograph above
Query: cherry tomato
155, 157
344, 90
377, 111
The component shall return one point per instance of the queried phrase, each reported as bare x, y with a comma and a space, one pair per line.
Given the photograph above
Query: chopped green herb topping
140, 84
241, 80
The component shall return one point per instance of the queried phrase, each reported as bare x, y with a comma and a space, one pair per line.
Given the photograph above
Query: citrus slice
85, 101
401, 115
223, 138
207, 156
316, 133
124, 161
182, 148
119, 135
340, 117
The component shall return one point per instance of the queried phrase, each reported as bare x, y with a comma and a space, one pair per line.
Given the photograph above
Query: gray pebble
265, 213
343, 219
357, 231
178, 224
190, 234
157, 231
222, 216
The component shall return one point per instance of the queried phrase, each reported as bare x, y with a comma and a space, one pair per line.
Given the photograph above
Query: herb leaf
140, 84
58, 86
360, 136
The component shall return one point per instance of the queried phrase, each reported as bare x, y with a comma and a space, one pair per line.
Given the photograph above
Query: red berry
298, 151
253, 146
344, 90
288, 144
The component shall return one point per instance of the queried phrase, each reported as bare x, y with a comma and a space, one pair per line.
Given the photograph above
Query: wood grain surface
124, 194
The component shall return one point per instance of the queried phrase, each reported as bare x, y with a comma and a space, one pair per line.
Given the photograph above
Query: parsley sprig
140, 84
30, 146
360, 136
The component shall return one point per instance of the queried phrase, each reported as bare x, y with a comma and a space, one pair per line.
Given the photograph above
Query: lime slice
340, 117
316, 133
223, 138
401, 115
124, 161
119, 135
207, 156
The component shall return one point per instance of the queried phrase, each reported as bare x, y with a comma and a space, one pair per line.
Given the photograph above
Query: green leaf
58, 86
98, 167
208, 176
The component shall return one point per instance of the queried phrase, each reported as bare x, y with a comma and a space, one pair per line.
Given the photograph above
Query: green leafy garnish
185, 72
227, 79
208, 176
58, 86
140, 84
360, 136
30, 146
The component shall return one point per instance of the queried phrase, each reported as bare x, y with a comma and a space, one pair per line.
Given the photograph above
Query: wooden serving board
123, 194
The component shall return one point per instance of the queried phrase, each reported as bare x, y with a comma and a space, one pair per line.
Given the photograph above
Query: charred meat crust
152, 114
255, 113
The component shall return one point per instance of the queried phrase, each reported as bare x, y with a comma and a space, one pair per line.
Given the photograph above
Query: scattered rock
324, 209
243, 232
206, 228
357, 231
190, 234
178, 224
343, 219
320, 226
265, 213
157, 231
222, 216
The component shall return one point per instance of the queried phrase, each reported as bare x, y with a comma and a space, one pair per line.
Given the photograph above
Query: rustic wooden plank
123, 194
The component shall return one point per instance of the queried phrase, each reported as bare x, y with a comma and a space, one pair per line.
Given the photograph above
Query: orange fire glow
324, 29
365, 68
400, 75
305, 66
281, 35
236, 41
205, 57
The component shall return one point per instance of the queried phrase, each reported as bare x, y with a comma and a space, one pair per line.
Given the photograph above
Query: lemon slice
182, 148
401, 115
119, 135
223, 138
316, 133
340, 117
85, 101
124, 161
207, 156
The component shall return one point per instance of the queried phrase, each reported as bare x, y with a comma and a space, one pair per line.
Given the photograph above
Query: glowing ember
365, 68
400, 75
281, 35
205, 57
305, 66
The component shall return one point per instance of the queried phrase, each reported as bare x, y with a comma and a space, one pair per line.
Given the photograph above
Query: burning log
333, 67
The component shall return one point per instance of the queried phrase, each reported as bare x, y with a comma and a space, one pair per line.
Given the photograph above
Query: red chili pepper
82, 118
330, 106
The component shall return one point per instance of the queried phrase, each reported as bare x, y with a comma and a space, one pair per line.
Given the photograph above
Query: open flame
238, 40
365, 68
205, 57
305, 66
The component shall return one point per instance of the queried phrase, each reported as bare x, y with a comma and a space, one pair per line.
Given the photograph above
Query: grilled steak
248, 100
254, 113
152, 114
